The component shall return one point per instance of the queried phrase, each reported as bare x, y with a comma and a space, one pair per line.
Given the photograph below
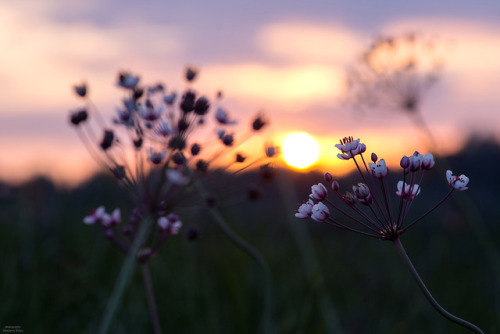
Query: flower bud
107, 140
405, 162
201, 166
228, 140
335, 185
201, 106
187, 104
81, 90
318, 192
78, 117
191, 74
350, 198
428, 161
374, 157
195, 149
240, 158
328, 177
258, 123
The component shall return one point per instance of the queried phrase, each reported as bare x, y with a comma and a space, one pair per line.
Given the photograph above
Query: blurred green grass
57, 273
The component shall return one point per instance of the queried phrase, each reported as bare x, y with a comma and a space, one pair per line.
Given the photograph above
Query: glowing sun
300, 150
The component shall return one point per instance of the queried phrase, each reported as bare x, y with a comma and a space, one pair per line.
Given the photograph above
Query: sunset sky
286, 58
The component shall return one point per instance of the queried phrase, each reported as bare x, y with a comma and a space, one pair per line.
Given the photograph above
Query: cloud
309, 42
42, 57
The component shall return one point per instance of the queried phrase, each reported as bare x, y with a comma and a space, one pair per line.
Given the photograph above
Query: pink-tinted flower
95, 216
379, 170
416, 161
304, 210
112, 219
363, 194
320, 212
457, 182
170, 224
428, 161
318, 192
408, 193
350, 148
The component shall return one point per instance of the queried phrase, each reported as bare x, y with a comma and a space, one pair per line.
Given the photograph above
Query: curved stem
267, 312
427, 294
151, 298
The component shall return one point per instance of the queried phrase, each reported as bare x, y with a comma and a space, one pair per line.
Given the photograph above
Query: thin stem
267, 325
124, 276
151, 298
427, 294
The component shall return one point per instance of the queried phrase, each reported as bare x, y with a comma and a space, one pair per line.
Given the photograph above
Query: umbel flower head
370, 208
394, 73
156, 142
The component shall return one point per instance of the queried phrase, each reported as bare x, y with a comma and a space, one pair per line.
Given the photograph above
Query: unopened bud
405, 162
195, 149
328, 177
374, 157
191, 73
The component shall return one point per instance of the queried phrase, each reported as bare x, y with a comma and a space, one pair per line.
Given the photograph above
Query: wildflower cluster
394, 73
155, 141
368, 207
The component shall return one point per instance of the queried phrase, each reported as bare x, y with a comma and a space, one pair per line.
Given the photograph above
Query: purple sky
284, 57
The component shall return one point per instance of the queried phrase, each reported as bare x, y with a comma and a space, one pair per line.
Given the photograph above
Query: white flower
457, 182
320, 212
362, 192
170, 224
176, 177
350, 148
95, 216
379, 170
416, 161
428, 161
114, 218
304, 210
222, 117
415, 190
318, 192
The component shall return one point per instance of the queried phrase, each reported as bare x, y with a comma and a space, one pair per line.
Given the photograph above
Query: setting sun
300, 150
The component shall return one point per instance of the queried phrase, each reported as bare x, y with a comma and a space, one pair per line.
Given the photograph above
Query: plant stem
151, 298
124, 276
427, 294
267, 325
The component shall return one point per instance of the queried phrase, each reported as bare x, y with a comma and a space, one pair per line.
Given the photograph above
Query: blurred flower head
153, 146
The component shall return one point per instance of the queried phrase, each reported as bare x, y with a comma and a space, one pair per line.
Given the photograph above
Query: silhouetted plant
369, 210
157, 147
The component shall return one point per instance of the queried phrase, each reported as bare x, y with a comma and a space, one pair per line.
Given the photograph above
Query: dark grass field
58, 273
